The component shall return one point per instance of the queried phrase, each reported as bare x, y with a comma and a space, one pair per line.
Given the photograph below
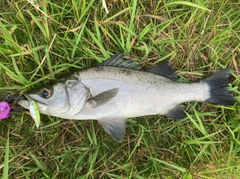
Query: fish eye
46, 93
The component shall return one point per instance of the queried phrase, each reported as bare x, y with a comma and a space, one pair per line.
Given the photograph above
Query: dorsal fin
120, 60
164, 68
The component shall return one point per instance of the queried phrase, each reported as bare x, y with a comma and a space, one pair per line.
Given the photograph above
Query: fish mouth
25, 102
27, 99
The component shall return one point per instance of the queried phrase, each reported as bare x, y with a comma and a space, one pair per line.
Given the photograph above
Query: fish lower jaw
24, 103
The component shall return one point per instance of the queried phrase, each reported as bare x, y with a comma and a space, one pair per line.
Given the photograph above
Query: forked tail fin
218, 84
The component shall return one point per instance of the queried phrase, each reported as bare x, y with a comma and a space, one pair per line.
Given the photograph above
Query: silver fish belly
117, 89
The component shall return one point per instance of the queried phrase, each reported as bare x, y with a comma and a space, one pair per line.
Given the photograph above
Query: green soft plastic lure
34, 112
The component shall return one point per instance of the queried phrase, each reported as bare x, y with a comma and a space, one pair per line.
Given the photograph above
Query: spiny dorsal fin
120, 60
164, 68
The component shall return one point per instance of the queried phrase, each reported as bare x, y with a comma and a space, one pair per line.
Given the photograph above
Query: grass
44, 40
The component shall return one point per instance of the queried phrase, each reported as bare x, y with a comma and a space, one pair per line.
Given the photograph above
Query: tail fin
218, 83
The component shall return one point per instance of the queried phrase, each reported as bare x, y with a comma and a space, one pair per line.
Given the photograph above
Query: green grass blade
171, 165
131, 24
6, 160
188, 4
39, 164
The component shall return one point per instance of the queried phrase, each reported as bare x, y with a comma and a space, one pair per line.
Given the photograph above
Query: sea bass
116, 89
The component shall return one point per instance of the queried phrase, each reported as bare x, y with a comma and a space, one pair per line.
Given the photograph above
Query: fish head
60, 99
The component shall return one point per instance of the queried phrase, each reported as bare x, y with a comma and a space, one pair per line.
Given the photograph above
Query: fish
118, 89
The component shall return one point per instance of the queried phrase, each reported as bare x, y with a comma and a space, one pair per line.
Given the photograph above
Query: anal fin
115, 127
177, 112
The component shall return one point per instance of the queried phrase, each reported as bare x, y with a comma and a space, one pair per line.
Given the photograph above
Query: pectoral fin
115, 127
102, 98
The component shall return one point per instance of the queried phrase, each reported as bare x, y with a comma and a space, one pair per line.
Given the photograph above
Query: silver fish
117, 89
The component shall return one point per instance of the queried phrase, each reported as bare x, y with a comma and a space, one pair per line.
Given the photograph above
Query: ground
42, 41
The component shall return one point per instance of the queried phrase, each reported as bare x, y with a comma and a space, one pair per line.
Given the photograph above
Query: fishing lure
34, 112
4, 110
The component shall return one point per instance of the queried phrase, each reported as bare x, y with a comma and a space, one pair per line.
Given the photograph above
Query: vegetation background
44, 40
